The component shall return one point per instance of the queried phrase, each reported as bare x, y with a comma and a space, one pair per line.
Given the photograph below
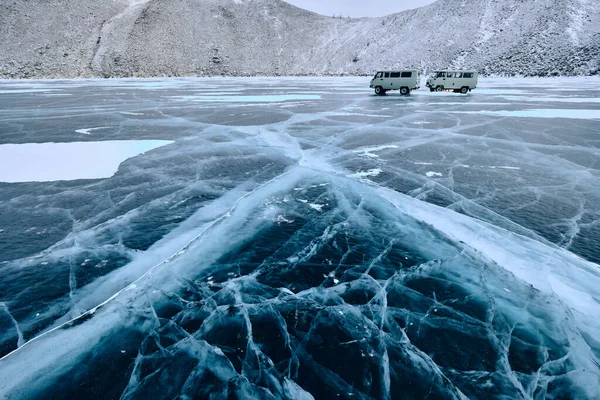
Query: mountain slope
71, 38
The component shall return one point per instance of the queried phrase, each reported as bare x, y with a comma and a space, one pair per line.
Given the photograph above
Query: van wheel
464, 89
439, 88
404, 91
379, 91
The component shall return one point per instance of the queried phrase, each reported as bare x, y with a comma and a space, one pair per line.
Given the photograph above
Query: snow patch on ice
370, 151
88, 130
46, 162
282, 219
364, 174
318, 207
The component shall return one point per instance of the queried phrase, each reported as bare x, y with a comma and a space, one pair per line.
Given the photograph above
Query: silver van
454, 80
404, 81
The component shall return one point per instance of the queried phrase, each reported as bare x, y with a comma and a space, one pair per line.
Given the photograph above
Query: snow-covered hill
72, 38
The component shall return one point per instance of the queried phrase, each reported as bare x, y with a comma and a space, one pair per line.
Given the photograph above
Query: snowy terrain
145, 38
300, 238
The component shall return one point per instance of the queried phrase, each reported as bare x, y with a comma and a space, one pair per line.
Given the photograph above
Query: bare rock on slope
51, 38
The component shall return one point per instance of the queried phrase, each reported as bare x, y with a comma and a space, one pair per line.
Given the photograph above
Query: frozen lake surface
299, 238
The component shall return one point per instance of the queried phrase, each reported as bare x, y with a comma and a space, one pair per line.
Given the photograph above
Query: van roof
454, 70
398, 70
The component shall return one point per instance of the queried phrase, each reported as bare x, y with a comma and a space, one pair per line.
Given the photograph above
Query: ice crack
20, 340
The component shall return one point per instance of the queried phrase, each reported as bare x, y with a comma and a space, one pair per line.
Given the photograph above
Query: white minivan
404, 81
457, 81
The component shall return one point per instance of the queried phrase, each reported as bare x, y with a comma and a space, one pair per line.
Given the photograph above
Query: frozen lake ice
299, 238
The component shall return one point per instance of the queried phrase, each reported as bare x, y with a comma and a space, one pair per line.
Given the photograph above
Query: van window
406, 74
387, 74
395, 75
468, 75
441, 75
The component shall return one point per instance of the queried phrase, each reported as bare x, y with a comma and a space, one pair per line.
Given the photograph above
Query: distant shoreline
498, 76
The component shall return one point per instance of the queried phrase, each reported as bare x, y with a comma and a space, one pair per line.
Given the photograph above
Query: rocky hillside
84, 38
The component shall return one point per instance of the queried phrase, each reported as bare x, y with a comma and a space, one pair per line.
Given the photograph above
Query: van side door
406, 79
394, 78
442, 76
385, 82
451, 81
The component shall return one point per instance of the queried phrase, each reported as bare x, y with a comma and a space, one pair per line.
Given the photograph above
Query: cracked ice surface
311, 241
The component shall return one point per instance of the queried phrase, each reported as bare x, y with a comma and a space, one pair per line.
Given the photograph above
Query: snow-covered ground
299, 238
